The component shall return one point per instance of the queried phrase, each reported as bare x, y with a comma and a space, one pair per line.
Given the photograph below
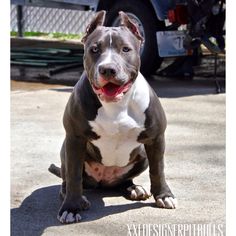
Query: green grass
60, 36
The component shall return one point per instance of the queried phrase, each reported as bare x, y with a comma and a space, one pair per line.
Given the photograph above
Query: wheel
148, 24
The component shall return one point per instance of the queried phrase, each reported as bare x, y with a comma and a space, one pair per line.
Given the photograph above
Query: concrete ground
195, 164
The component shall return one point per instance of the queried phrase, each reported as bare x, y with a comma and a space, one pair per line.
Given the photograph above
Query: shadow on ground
174, 88
37, 206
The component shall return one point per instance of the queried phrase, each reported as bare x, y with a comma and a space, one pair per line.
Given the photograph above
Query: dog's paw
166, 202
137, 193
69, 217
69, 211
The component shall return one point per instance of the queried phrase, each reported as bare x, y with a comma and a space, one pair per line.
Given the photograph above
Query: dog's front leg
74, 201
155, 152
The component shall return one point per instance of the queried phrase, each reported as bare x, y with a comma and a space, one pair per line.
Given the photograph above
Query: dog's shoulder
83, 101
81, 107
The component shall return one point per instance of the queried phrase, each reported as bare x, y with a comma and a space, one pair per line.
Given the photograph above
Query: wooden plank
48, 61
28, 63
43, 43
43, 56
52, 51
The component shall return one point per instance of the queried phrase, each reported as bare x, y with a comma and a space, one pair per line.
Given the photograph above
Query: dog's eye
94, 49
126, 49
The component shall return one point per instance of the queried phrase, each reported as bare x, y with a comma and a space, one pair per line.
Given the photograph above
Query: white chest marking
119, 124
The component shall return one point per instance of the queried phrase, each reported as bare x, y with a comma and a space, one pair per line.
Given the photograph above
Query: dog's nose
107, 70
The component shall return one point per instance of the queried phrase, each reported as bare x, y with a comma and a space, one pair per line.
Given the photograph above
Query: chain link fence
51, 20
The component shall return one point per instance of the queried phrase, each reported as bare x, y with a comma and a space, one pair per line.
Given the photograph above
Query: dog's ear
126, 21
98, 20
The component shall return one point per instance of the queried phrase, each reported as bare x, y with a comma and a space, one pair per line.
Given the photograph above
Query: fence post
19, 10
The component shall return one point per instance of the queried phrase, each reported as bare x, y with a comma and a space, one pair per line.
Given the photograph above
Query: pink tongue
111, 89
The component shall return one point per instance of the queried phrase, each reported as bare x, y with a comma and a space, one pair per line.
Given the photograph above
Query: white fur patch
110, 39
69, 217
137, 192
167, 202
108, 58
119, 124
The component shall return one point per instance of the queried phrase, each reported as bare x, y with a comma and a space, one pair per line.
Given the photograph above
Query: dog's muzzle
108, 86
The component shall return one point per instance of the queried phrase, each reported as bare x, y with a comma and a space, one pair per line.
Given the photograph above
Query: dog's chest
119, 125
118, 137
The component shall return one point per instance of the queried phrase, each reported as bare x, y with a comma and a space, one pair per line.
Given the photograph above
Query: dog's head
111, 56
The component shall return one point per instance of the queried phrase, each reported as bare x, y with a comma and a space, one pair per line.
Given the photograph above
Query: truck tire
148, 25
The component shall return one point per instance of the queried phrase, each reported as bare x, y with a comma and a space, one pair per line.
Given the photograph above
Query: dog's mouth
111, 91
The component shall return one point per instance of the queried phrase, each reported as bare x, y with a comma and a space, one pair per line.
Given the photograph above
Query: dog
114, 123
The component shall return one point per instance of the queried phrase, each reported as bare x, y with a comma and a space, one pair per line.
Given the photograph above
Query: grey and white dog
114, 123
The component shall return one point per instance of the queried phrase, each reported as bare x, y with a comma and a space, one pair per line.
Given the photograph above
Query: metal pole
218, 87
19, 10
